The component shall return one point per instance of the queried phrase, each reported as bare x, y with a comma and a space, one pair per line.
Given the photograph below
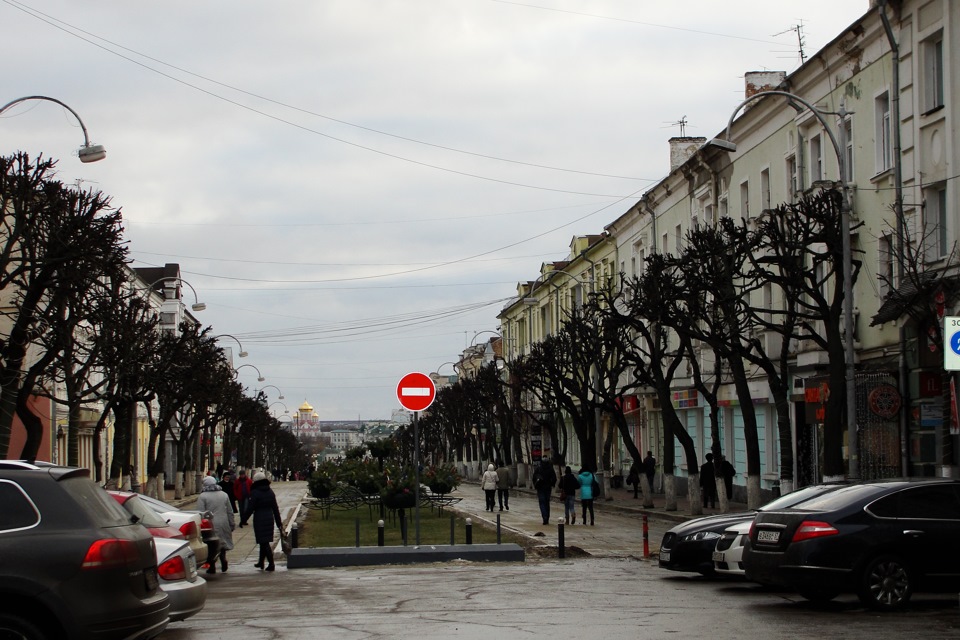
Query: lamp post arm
86, 138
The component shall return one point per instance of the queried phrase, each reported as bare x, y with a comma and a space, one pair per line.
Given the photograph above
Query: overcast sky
355, 187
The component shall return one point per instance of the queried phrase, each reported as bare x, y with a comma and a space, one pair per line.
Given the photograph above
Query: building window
678, 238
932, 51
792, 187
885, 262
765, 189
816, 159
884, 152
935, 222
745, 199
665, 243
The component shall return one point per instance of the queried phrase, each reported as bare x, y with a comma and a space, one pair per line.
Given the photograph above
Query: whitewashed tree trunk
753, 492
647, 491
178, 486
724, 499
695, 495
786, 486
670, 491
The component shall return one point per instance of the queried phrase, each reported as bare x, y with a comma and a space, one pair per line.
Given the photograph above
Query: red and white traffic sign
416, 391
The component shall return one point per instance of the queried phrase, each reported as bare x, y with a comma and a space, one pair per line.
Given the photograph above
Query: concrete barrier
309, 558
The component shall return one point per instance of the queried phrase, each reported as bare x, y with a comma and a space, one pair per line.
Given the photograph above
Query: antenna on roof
682, 123
801, 40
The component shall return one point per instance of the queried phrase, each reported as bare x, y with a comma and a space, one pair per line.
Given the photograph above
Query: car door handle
913, 533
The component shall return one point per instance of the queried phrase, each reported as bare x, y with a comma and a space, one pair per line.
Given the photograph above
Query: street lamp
285, 409
88, 152
838, 147
197, 305
280, 397
242, 354
260, 377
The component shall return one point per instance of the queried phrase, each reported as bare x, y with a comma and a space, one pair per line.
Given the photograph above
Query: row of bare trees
737, 298
76, 330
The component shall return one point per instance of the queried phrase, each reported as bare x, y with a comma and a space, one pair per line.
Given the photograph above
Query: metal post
379, 533
646, 537
498, 528
416, 470
295, 536
357, 526
453, 528
469, 531
561, 549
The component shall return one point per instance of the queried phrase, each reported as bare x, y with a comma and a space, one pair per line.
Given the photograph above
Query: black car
689, 546
882, 540
74, 565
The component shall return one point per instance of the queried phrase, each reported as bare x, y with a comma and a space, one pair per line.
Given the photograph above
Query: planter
368, 488
319, 492
399, 501
441, 488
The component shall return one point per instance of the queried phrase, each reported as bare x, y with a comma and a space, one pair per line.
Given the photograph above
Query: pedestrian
262, 505
544, 479
650, 468
633, 478
214, 499
569, 485
241, 490
587, 486
226, 483
726, 471
503, 486
708, 482
489, 485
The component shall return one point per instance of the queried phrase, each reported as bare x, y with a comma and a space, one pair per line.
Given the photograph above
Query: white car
177, 569
728, 554
191, 524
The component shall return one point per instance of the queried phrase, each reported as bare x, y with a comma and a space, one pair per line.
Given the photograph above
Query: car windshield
800, 495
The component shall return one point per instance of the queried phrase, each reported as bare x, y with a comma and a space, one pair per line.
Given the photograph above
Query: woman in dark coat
265, 511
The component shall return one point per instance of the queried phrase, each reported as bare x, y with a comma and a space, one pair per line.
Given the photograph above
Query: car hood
716, 523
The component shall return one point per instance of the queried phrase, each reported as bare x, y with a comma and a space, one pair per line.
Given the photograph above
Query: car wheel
13, 627
818, 596
885, 584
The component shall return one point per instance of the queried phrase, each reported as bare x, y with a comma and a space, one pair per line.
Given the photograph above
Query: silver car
177, 568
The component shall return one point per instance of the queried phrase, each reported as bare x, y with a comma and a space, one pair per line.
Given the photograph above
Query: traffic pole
646, 537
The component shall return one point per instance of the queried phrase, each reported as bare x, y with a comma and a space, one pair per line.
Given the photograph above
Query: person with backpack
587, 485
569, 485
544, 479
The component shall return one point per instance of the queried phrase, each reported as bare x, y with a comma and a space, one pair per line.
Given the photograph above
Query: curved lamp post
197, 305
242, 354
480, 333
88, 152
260, 377
285, 409
280, 397
838, 147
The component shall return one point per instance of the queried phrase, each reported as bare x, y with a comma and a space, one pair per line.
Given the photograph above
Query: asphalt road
615, 594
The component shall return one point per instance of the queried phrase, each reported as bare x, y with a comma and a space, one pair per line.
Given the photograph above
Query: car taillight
188, 529
813, 529
110, 552
206, 524
172, 569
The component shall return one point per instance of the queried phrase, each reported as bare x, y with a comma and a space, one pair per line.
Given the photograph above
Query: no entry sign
416, 391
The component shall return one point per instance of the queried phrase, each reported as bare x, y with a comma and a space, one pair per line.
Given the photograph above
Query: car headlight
701, 535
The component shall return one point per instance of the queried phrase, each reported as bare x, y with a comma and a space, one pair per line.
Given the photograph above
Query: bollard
469, 531
357, 524
561, 550
294, 536
379, 533
646, 538
453, 528
498, 528
403, 525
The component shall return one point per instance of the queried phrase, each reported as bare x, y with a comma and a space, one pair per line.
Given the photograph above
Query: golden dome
306, 408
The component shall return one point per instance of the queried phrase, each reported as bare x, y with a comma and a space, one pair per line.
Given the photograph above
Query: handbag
285, 545
595, 487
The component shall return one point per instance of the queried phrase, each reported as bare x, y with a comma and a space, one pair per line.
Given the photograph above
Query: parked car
728, 554
145, 516
177, 567
689, 546
882, 540
73, 565
197, 529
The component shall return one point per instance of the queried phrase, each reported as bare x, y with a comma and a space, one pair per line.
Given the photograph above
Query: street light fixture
242, 354
260, 377
88, 152
280, 397
197, 305
849, 352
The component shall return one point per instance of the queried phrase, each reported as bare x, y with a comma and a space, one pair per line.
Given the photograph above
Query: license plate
191, 565
768, 536
718, 556
664, 556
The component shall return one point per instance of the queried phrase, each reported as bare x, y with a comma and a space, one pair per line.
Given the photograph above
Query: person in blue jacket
586, 495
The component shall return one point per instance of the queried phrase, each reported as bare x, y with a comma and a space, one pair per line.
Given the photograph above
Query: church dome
306, 408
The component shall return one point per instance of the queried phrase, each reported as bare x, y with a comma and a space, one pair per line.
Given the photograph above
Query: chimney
757, 81
682, 148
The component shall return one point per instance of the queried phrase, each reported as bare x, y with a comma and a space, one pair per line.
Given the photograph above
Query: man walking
503, 485
544, 479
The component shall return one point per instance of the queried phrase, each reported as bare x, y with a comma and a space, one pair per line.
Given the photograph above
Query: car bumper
186, 598
692, 557
778, 570
147, 622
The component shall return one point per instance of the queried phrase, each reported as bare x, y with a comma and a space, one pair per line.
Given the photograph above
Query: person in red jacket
241, 490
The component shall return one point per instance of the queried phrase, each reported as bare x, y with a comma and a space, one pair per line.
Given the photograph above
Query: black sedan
882, 540
689, 546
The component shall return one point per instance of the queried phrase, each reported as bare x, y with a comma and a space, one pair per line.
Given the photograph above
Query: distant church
306, 422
